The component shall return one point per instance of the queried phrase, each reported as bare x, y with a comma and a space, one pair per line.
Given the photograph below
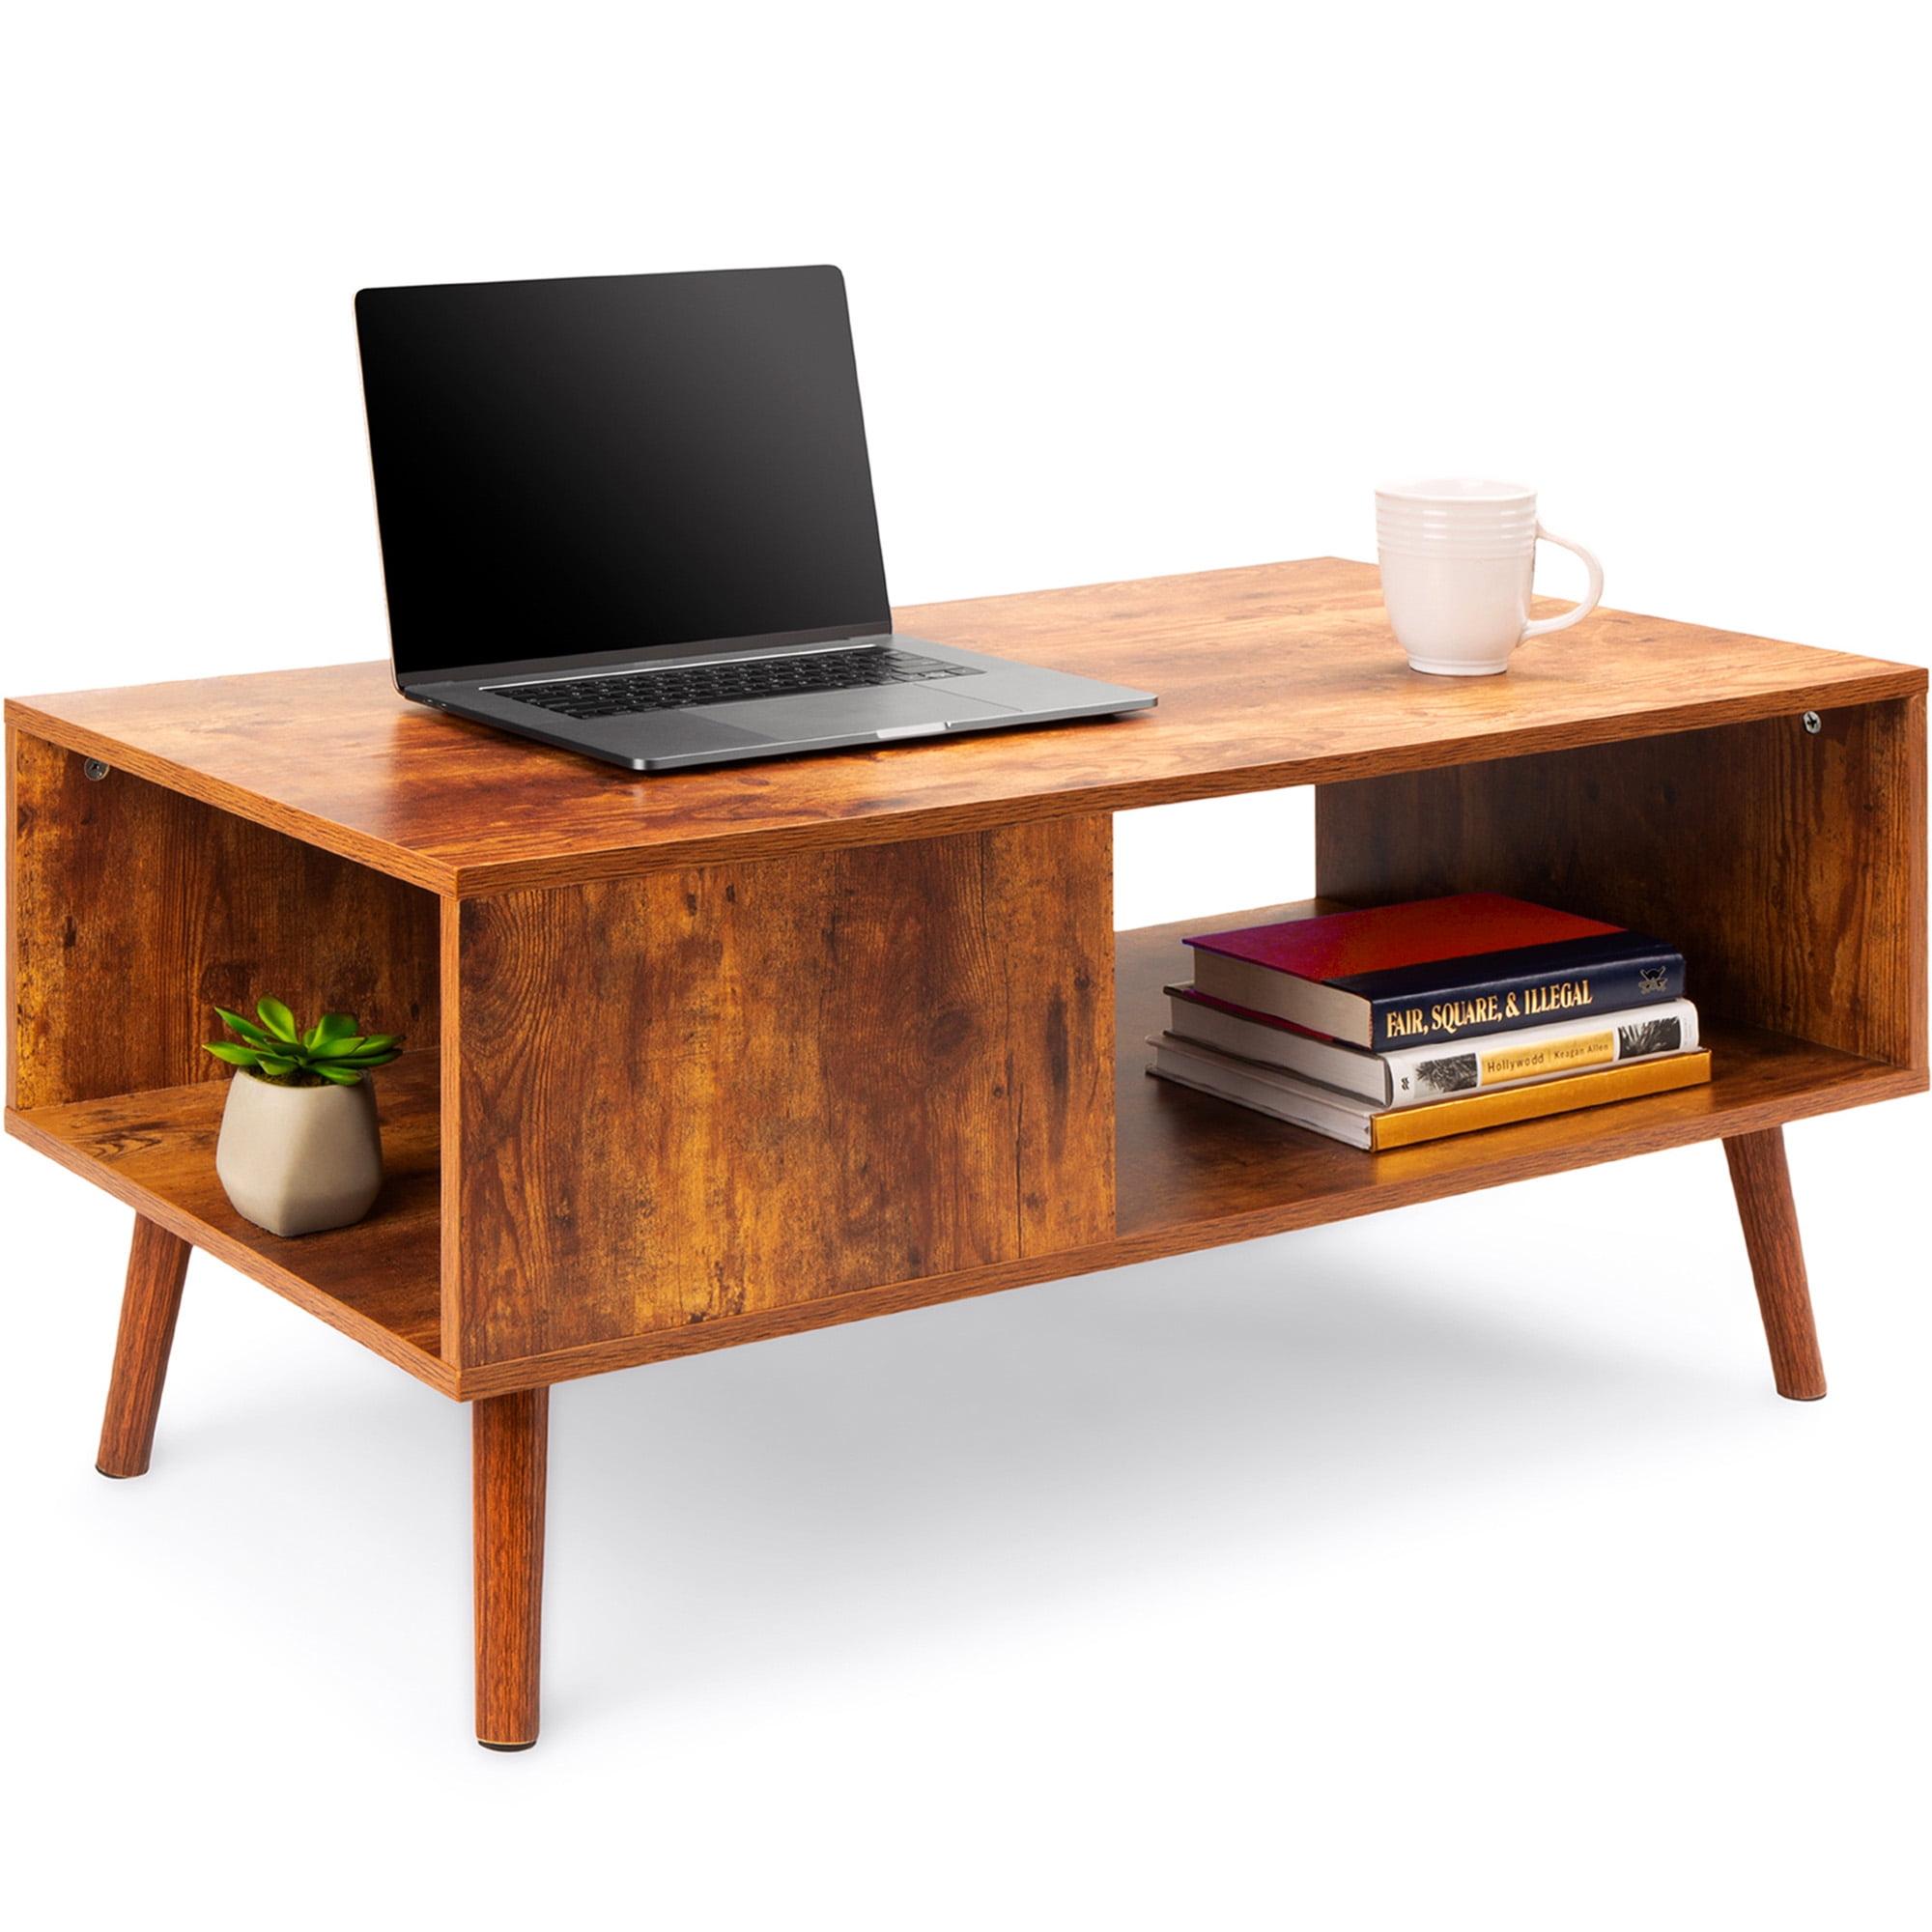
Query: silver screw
94, 770
1812, 723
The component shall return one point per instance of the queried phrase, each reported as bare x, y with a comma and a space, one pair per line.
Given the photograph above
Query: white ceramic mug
1458, 555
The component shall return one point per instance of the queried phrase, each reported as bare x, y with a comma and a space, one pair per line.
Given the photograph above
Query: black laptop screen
621, 463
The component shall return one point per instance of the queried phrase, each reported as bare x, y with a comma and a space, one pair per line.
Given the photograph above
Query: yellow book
1406, 1125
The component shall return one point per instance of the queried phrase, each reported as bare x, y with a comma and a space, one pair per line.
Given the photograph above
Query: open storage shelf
379, 1281
174, 848
1192, 1172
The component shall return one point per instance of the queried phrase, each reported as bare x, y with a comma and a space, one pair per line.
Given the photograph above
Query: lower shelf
1194, 1172
1191, 1173
379, 1281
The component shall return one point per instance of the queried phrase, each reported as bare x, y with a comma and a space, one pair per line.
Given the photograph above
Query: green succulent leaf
276, 1047
242, 1029
329, 1028
280, 1021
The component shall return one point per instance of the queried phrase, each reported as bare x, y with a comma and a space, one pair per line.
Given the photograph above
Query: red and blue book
1433, 970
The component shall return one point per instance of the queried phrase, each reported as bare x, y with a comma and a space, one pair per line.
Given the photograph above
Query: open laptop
631, 516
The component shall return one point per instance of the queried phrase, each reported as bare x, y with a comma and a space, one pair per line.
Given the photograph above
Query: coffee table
723, 1056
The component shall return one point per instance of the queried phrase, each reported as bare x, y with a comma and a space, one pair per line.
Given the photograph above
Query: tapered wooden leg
156, 1268
509, 1440
1762, 1183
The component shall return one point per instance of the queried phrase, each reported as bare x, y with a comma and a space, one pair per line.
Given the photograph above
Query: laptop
631, 516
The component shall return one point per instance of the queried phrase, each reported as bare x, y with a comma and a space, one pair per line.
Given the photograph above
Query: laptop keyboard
729, 682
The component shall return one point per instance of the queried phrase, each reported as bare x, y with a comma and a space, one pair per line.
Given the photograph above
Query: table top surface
1278, 675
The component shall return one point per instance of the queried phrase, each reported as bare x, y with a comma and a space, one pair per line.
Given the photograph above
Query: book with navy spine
1434, 970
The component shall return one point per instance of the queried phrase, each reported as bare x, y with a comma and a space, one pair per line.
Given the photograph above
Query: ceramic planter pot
298, 1159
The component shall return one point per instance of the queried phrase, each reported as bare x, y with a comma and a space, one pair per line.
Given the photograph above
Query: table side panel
1790, 867
817, 1074
133, 910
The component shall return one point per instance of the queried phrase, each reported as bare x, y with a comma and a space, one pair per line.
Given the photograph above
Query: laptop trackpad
839, 714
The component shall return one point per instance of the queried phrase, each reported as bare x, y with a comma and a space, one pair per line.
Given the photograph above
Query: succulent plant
274, 1048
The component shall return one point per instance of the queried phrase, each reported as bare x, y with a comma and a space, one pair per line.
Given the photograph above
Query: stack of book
1405, 1023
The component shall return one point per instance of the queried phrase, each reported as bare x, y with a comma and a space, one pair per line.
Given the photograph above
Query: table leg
156, 1268
1762, 1183
509, 1440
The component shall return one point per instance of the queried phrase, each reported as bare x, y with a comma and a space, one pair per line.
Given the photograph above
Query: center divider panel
699, 1094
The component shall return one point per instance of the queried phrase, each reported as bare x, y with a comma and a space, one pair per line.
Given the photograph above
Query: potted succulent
300, 1149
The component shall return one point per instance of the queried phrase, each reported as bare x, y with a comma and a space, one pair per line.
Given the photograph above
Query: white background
1455, 1566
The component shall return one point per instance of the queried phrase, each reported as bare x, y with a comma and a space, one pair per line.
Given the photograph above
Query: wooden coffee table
716, 1057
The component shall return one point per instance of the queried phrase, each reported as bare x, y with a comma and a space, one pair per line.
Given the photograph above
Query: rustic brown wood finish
119, 886
1790, 865
1192, 1174
509, 1438
377, 1281
150, 1305
738, 1054
1282, 674
1762, 1183
914, 1039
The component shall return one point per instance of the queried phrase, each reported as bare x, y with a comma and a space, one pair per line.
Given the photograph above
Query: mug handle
1591, 597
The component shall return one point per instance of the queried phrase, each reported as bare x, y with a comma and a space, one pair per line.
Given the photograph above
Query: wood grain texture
509, 1438
1194, 1172
449, 1134
699, 1094
376, 1281
1761, 1180
150, 1305
1789, 868
1186, 1159
135, 910
1191, 1173
1277, 676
